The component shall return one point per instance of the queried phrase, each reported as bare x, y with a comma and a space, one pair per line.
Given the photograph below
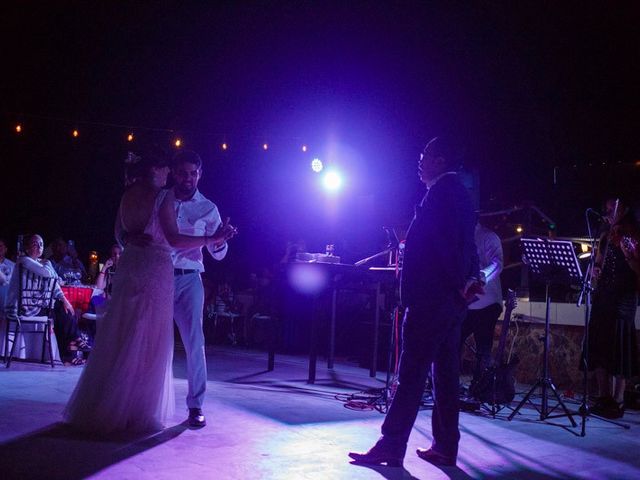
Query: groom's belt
184, 271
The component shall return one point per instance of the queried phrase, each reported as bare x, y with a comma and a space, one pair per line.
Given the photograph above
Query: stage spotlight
304, 148
225, 146
332, 180
265, 146
519, 229
316, 165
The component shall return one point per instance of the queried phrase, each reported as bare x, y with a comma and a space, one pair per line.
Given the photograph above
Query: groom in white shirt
196, 216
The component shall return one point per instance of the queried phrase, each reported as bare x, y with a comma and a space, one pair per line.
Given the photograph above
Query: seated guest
6, 268
57, 252
64, 324
292, 250
97, 304
105, 277
66, 263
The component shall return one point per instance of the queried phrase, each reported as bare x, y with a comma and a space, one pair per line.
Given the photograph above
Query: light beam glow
332, 180
307, 278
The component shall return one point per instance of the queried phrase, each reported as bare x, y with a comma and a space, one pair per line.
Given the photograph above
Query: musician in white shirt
196, 216
482, 314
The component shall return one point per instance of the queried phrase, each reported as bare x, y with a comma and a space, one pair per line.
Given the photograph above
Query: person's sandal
79, 344
75, 362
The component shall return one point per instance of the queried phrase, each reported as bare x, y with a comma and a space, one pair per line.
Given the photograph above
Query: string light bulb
178, 143
130, 137
75, 133
265, 146
519, 229
224, 145
316, 165
304, 148
18, 128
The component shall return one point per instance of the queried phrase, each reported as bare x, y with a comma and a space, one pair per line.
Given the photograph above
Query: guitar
496, 384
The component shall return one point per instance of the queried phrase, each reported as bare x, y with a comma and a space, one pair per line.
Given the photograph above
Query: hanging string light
18, 128
130, 137
75, 133
316, 165
178, 143
265, 146
224, 146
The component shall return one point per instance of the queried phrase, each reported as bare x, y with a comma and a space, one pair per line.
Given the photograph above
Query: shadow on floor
57, 451
389, 473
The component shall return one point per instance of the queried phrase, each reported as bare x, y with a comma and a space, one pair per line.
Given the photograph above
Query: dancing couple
127, 382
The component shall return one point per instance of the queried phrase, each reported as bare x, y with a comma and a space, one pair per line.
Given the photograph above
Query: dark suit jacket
440, 252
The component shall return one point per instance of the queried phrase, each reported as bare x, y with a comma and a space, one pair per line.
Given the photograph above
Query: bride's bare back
136, 207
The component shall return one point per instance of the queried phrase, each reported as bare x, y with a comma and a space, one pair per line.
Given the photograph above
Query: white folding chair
34, 311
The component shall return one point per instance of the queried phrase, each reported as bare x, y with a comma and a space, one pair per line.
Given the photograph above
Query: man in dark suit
439, 277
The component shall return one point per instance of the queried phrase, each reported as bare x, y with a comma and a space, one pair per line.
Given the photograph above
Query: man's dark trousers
431, 339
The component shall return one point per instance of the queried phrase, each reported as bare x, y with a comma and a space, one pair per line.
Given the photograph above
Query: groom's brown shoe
196, 418
380, 454
431, 456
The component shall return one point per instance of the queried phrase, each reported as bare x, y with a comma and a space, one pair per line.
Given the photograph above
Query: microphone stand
386, 395
585, 294
359, 263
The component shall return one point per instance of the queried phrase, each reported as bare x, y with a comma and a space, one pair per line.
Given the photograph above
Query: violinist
612, 334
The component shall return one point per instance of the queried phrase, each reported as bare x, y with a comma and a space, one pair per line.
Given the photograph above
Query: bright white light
332, 180
316, 165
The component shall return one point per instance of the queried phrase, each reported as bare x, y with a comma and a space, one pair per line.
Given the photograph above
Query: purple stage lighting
316, 165
332, 180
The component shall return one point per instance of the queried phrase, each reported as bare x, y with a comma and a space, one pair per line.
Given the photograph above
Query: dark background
545, 97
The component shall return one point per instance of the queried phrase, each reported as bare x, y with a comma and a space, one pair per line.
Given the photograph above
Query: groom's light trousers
187, 313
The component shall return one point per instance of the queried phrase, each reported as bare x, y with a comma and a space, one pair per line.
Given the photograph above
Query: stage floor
273, 425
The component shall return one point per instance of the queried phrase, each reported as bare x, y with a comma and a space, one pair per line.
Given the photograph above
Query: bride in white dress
127, 382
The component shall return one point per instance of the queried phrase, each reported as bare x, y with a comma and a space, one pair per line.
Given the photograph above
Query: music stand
554, 262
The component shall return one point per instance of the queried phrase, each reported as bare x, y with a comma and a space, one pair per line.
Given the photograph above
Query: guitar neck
505, 329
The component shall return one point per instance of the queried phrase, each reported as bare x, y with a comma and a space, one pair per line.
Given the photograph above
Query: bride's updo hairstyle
138, 165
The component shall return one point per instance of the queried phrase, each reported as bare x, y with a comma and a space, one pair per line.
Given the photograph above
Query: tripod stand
552, 262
